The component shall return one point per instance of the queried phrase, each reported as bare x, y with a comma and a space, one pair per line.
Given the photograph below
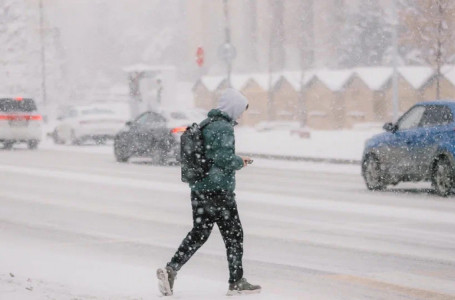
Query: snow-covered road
74, 224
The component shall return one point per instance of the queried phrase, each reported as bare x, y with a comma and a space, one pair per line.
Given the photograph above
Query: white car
20, 122
83, 123
183, 117
179, 120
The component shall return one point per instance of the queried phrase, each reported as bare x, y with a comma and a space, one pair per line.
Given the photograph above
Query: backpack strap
206, 122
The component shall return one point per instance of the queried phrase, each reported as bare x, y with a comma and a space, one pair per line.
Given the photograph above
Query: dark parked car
419, 147
152, 134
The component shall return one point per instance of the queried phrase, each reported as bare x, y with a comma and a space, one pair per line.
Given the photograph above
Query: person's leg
231, 230
202, 227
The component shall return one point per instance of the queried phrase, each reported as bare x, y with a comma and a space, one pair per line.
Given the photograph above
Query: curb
302, 158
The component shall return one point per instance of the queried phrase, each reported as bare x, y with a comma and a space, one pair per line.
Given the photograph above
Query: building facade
327, 99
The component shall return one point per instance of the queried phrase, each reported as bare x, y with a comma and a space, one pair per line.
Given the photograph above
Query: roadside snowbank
337, 144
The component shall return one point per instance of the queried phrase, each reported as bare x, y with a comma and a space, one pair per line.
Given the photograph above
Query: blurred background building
291, 54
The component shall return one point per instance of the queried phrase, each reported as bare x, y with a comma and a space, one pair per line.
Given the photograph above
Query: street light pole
43, 54
227, 40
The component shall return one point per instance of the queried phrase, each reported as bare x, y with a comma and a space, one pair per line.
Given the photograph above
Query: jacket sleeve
223, 143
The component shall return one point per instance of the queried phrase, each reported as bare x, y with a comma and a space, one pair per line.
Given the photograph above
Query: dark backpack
195, 166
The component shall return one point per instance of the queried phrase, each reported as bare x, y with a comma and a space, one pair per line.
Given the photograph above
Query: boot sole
163, 282
244, 292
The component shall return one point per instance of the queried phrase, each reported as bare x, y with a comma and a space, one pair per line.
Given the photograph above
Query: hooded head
233, 103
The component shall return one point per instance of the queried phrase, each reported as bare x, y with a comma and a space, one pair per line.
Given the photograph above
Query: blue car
419, 147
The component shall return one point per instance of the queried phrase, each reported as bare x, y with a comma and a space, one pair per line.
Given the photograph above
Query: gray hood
233, 103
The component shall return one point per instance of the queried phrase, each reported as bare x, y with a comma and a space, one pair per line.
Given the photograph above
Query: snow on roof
308, 76
276, 77
375, 77
293, 77
449, 73
262, 79
239, 81
334, 79
416, 76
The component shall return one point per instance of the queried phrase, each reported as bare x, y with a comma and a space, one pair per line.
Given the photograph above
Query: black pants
209, 208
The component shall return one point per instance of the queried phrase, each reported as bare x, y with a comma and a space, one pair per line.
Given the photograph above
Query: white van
20, 122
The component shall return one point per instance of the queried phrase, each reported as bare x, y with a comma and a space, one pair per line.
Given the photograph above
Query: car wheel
443, 177
32, 145
160, 153
8, 145
74, 139
100, 141
120, 152
56, 138
372, 173
178, 158
161, 158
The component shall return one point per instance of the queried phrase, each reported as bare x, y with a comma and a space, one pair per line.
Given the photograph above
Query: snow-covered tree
20, 52
428, 33
366, 36
16, 49
276, 54
56, 67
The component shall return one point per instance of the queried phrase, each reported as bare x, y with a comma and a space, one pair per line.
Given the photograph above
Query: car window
17, 105
437, 115
156, 120
151, 119
142, 119
178, 116
72, 113
411, 119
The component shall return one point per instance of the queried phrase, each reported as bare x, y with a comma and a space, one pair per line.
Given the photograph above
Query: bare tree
428, 30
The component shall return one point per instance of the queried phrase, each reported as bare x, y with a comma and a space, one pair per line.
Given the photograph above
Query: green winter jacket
219, 142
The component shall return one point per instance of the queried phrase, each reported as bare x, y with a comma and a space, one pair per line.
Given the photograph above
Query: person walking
213, 198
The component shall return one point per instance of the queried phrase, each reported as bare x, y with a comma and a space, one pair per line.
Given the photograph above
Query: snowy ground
74, 224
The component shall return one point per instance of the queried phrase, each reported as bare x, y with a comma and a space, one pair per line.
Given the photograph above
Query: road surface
74, 224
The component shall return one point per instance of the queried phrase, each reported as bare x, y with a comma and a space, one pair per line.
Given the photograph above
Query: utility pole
43, 55
271, 58
439, 51
395, 103
270, 71
306, 54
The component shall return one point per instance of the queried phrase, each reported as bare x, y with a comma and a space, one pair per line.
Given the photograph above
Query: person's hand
245, 160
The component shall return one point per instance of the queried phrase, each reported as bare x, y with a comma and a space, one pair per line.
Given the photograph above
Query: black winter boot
243, 287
